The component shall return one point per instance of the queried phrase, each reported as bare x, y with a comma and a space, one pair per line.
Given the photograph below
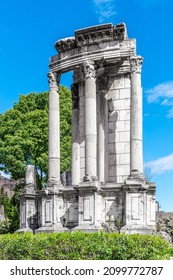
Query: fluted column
54, 128
75, 136
102, 130
90, 120
136, 115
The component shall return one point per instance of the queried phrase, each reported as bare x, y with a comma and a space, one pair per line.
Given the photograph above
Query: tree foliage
24, 134
11, 210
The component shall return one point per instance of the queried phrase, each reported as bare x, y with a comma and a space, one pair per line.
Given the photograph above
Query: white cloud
160, 165
163, 94
170, 113
105, 9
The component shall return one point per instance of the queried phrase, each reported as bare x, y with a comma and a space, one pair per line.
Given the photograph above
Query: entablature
110, 52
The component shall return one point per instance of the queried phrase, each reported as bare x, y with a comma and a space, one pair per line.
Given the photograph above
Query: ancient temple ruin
108, 185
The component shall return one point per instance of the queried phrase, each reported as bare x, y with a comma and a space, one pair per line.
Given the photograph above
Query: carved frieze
65, 44
92, 35
136, 64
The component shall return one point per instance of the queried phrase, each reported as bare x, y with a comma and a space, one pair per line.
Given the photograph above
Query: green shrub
83, 246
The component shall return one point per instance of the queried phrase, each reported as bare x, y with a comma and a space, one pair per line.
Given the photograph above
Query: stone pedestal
28, 211
51, 209
90, 204
140, 205
28, 202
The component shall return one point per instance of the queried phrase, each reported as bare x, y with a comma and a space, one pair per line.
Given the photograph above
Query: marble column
90, 120
136, 115
102, 130
75, 136
54, 128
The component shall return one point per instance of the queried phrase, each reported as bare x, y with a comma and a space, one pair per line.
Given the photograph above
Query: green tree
11, 210
24, 135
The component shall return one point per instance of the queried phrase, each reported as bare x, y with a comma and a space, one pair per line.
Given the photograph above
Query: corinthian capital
89, 69
53, 79
136, 64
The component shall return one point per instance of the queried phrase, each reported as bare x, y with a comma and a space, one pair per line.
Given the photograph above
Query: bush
83, 246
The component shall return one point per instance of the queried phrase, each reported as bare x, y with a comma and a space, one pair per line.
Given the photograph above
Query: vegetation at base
11, 210
24, 140
24, 135
83, 246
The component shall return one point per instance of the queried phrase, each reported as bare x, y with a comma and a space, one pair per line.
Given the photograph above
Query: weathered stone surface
30, 175
8, 185
164, 225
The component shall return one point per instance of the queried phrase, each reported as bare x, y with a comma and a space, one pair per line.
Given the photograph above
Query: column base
135, 175
23, 230
88, 228
50, 229
133, 229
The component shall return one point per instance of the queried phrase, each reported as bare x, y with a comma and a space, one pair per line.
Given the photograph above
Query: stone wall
164, 225
119, 128
8, 185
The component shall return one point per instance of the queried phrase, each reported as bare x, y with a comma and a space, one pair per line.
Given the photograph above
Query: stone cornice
65, 44
92, 35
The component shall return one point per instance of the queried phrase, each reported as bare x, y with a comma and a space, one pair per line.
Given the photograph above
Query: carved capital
89, 69
54, 79
136, 64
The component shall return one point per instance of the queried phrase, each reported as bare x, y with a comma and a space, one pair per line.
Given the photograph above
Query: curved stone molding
65, 44
89, 69
136, 64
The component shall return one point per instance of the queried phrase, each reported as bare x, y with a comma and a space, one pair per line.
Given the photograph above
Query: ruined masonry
108, 188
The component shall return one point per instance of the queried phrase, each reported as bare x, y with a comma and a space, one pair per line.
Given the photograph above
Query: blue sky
29, 29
